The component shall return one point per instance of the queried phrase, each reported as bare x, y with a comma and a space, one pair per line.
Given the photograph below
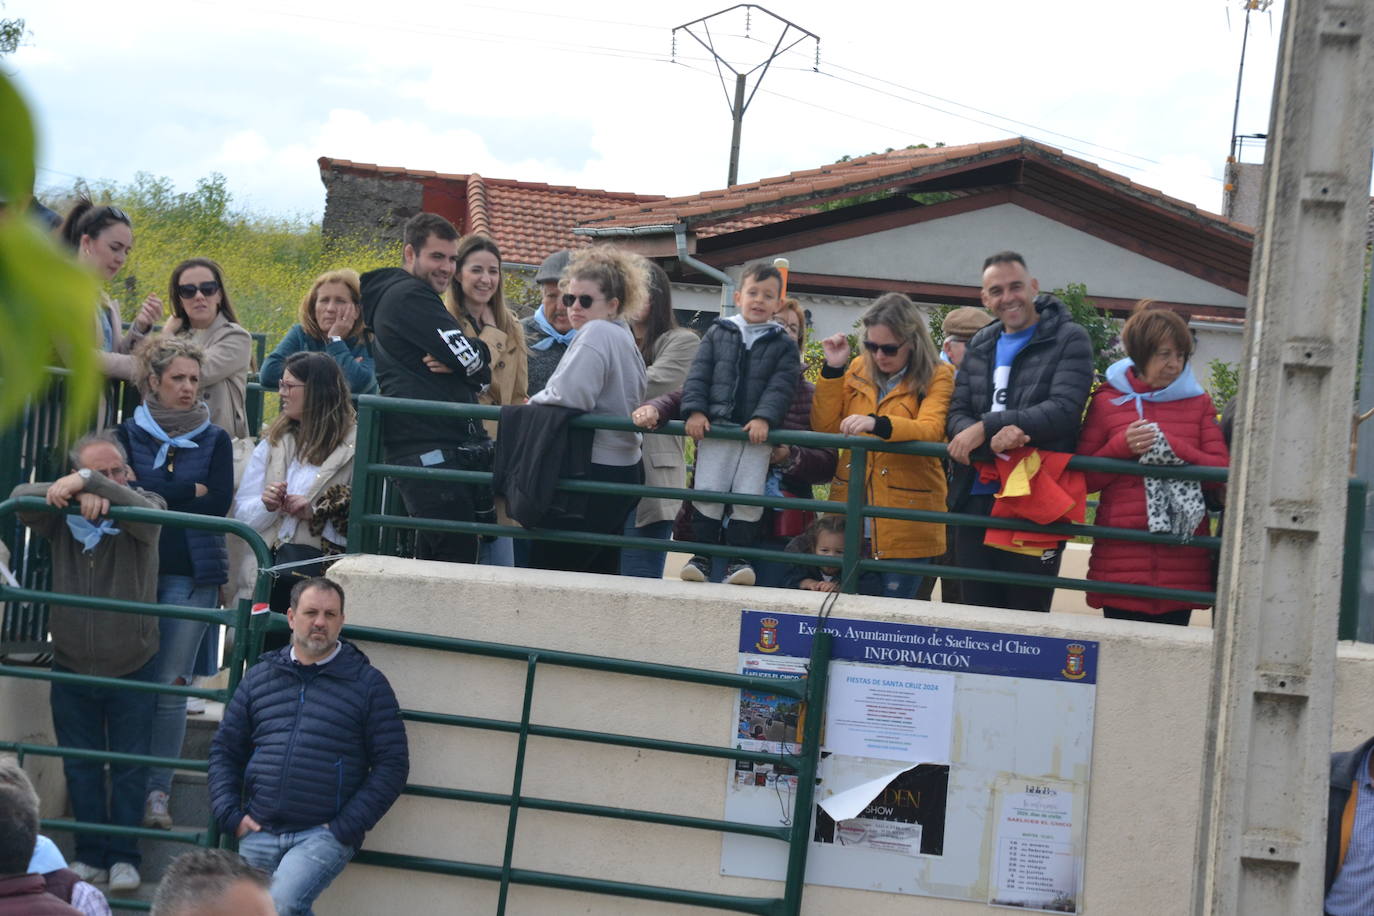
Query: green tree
12, 34
1102, 328
1223, 383
47, 303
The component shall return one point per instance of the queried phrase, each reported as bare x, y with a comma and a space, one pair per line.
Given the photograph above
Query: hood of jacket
377, 283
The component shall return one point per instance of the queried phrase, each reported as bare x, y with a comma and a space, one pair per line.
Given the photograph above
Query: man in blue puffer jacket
310, 755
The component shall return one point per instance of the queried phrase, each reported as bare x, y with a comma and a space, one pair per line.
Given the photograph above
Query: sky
606, 95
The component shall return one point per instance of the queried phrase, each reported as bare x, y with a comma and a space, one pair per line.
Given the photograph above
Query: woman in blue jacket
177, 453
330, 321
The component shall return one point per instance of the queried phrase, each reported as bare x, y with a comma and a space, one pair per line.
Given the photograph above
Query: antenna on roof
1249, 6
740, 103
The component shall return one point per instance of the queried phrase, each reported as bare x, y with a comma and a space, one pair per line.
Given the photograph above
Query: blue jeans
903, 585
646, 564
500, 552
102, 719
302, 864
176, 656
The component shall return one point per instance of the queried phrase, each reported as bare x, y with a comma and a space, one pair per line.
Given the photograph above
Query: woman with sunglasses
296, 486
201, 312
897, 390
177, 452
602, 373
103, 238
475, 298
330, 321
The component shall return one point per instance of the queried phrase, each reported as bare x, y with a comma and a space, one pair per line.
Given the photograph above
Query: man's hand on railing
1007, 438
698, 426
61, 491
92, 506
962, 445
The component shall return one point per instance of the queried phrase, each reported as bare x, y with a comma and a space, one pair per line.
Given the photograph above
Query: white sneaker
89, 874
124, 877
155, 813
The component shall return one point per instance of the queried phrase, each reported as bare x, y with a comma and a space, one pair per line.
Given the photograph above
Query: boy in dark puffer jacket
745, 374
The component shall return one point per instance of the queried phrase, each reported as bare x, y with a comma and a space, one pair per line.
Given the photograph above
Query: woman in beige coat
202, 312
475, 299
667, 350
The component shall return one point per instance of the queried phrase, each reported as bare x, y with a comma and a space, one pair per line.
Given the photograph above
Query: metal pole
1262, 840
736, 111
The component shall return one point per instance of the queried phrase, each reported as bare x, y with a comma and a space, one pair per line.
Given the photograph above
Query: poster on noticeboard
954, 763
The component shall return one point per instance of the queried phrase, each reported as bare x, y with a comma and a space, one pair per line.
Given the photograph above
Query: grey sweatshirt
602, 373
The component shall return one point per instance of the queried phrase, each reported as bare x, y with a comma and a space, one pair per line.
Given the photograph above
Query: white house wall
951, 250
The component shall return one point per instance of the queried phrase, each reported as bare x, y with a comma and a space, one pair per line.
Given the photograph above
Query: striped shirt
1352, 893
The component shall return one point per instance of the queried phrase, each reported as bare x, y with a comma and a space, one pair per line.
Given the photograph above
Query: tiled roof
528, 219
784, 197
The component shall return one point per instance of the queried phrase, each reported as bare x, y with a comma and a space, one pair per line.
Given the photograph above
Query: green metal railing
240, 618
367, 521
804, 760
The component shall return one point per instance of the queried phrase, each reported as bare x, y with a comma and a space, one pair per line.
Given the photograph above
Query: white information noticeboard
955, 762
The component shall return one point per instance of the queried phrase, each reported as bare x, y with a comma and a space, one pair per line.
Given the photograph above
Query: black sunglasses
116, 214
206, 289
569, 300
886, 349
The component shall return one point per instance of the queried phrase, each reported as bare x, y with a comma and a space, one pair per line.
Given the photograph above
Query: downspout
727, 286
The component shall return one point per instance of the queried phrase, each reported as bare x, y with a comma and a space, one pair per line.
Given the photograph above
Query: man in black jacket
1024, 381
421, 352
311, 753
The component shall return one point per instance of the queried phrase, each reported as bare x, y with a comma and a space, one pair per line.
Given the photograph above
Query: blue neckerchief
551, 334
90, 533
772, 484
144, 420
46, 857
1181, 388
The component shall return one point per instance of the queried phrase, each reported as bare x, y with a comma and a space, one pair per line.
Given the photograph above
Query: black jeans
971, 553
604, 515
441, 499
1177, 618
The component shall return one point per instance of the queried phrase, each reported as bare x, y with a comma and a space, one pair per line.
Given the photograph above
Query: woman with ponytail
102, 238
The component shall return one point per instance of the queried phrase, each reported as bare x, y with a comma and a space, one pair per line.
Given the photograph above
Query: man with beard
310, 754
421, 352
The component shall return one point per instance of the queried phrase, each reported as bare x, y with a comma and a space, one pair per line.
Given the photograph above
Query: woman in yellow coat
898, 390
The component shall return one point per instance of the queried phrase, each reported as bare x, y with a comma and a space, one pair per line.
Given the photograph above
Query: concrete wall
1143, 809
26, 716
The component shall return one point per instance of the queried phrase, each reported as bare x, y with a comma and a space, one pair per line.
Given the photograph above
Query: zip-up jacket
1340, 810
1049, 384
305, 745
409, 322
732, 384
122, 566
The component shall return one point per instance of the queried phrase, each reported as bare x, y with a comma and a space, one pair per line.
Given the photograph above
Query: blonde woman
330, 321
607, 290
899, 391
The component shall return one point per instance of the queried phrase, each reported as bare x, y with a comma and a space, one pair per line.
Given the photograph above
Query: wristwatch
334, 338
84, 473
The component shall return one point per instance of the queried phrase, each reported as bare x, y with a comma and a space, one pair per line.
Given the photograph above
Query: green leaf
47, 314
17, 150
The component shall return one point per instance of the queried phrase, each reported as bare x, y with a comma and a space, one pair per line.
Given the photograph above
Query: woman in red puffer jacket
1152, 410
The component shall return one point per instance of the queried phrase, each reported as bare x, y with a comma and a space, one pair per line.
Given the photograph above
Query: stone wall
368, 207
